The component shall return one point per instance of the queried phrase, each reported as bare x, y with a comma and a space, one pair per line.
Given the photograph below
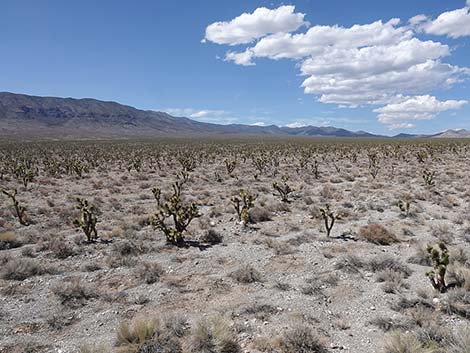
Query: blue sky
292, 63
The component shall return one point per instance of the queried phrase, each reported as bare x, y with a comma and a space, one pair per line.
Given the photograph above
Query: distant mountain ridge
24, 116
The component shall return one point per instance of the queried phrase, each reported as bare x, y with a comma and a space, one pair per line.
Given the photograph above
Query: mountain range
24, 116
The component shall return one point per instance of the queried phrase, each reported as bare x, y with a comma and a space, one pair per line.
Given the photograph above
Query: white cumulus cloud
366, 64
454, 23
250, 26
401, 114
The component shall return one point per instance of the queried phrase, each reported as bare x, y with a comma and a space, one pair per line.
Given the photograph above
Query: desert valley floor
264, 278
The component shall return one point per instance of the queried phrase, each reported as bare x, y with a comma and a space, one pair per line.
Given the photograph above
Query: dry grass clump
388, 263
149, 272
393, 281
279, 248
259, 214
387, 324
457, 302
151, 336
378, 234
460, 342
212, 237
212, 336
302, 338
9, 240
399, 342
350, 263
94, 349
130, 338
459, 276
75, 293
421, 257
21, 269
246, 274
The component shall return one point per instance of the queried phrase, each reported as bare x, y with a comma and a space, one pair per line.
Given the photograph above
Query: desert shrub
259, 214
387, 324
91, 266
399, 342
211, 236
151, 336
459, 276
246, 274
350, 263
75, 293
150, 272
460, 341
420, 257
130, 338
94, 349
126, 248
212, 336
9, 240
393, 281
302, 338
279, 248
61, 248
384, 263
457, 302
377, 234
21, 269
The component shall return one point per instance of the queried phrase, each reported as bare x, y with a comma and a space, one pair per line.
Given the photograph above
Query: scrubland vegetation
269, 246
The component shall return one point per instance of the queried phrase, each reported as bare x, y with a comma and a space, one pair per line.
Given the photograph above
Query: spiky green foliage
87, 220
20, 210
440, 259
242, 205
283, 188
181, 214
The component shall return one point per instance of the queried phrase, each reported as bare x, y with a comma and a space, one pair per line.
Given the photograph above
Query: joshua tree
242, 205
180, 213
329, 217
87, 220
283, 188
19, 209
440, 259
428, 177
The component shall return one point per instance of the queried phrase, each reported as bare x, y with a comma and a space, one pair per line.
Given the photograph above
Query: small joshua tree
440, 259
404, 206
181, 214
242, 205
316, 172
25, 174
374, 165
87, 220
19, 209
428, 177
157, 193
230, 166
283, 188
329, 217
